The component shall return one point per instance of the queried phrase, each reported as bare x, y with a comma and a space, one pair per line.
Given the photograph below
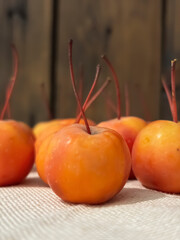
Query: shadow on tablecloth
132, 195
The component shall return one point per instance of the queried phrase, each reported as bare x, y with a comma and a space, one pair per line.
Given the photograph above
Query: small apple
86, 164
45, 131
156, 151
16, 152
87, 168
16, 142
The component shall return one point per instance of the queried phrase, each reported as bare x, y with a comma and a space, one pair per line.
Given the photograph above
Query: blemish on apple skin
177, 149
146, 140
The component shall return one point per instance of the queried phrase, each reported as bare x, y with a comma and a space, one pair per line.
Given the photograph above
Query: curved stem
116, 83
168, 94
80, 88
173, 87
12, 81
74, 86
98, 68
93, 98
8, 107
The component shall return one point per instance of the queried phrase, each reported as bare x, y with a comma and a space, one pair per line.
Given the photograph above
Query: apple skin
43, 139
156, 156
84, 168
42, 149
16, 152
41, 127
128, 127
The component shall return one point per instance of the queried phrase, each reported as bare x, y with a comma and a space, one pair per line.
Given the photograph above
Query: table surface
32, 211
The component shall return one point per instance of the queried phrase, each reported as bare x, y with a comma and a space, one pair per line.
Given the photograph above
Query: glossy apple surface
16, 152
156, 156
43, 139
84, 168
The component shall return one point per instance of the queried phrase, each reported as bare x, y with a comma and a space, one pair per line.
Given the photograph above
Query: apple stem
98, 68
12, 81
93, 98
168, 94
108, 107
127, 103
80, 88
8, 107
116, 84
46, 102
74, 86
173, 88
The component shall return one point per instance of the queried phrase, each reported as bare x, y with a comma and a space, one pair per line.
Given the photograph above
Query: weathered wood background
140, 37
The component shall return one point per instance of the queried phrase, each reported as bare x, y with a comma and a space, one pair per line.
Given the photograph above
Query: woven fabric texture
32, 211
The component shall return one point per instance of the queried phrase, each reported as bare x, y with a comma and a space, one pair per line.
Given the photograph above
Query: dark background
140, 37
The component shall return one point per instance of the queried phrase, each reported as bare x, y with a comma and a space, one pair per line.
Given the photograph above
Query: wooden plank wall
27, 24
129, 32
171, 50
139, 37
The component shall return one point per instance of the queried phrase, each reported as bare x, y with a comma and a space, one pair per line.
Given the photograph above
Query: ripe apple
156, 156
156, 151
16, 152
45, 131
87, 168
16, 142
86, 164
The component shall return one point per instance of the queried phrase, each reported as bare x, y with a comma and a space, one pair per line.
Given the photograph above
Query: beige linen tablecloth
32, 211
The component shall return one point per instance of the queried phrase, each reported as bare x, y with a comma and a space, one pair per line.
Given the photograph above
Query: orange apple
16, 141
43, 140
156, 156
16, 152
87, 168
45, 131
86, 164
156, 151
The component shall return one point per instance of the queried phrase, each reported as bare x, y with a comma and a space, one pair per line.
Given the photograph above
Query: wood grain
171, 50
129, 32
26, 23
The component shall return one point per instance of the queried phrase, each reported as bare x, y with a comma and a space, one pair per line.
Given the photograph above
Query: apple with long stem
128, 126
42, 142
86, 164
156, 151
16, 141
